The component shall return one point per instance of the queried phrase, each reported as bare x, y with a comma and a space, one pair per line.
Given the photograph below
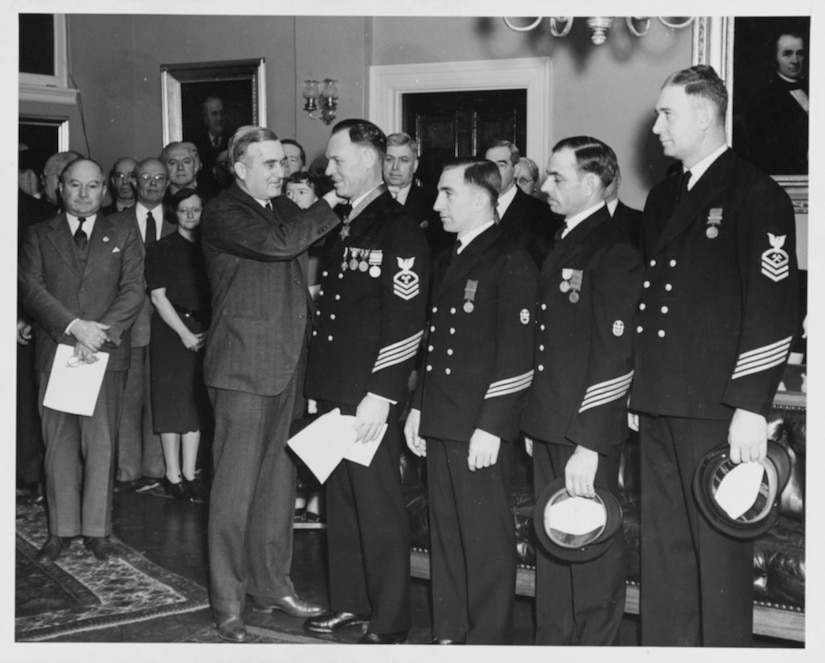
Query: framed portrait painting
239, 84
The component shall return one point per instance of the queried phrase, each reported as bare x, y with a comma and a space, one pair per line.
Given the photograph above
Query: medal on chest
571, 283
713, 223
470, 295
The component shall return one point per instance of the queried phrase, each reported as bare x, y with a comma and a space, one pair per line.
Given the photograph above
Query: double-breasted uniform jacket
718, 309
479, 360
371, 309
257, 265
629, 220
143, 324
57, 288
530, 223
589, 288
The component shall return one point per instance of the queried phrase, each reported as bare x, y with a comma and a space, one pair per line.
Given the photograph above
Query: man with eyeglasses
140, 464
123, 195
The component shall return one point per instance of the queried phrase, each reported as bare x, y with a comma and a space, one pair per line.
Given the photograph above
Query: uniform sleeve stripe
609, 385
607, 398
398, 352
765, 348
761, 359
510, 385
758, 369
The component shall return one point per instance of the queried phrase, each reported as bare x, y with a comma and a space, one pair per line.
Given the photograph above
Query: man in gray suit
139, 453
81, 279
255, 243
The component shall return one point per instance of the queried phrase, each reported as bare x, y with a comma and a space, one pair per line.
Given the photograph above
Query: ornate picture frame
241, 85
714, 43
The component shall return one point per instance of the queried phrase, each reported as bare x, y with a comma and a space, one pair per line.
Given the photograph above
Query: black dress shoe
101, 547
52, 549
231, 628
291, 605
332, 621
177, 491
383, 638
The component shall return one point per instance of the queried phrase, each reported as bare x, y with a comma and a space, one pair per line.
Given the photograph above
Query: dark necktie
269, 209
682, 191
151, 230
560, 232
455, 249
80, 236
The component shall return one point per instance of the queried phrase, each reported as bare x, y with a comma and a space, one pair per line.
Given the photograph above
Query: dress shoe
231, 628
383, 638
291, 605
445, 641
177, 491
332, 620
101, 547
52, 549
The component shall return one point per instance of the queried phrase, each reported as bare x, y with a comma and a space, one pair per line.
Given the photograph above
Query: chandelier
560, 26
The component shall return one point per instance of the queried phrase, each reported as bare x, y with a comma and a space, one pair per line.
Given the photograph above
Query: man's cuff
69, 328
388, 400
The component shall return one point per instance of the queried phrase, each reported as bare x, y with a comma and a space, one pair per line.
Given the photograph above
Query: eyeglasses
156, 179
122, 177
525, 180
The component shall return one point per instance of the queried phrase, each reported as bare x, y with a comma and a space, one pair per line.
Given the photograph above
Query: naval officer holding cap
478, 366
714, 327
575, 415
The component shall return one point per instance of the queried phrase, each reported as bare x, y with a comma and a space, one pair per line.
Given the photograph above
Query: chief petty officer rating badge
405, 282
775, 262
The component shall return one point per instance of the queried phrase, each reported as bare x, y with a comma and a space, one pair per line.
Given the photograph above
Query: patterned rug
78, 593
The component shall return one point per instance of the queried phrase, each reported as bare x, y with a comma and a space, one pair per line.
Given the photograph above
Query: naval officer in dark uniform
576, 410
370, 322
714, 327
478, 366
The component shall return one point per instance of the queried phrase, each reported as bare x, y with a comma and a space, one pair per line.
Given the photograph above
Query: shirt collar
699, 169
470, 235
576, 219
363, 196
88, 224
612, 205
505, 199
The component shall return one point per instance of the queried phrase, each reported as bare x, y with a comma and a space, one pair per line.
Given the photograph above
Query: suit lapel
566, 249
466, 261
709, 186
100, 243
60, 236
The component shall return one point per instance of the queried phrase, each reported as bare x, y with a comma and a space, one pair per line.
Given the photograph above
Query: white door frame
388, 83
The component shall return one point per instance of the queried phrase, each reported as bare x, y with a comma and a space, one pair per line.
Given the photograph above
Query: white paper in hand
576, 515
323, 443
363, 452
739, 488
74, 385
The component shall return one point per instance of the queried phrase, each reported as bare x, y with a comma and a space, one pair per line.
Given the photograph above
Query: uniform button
429, 368
541, 348
320, 293
639, 329
541, 367
452, 330
652, 263
432, 328
430, 348
544, 307
341, 275
329, 338
332, 316
314, 332
642, 306
672, 263
450, 351
665, 309
435, 309
646, 284
541, 327
661, 333
452, 310
447, 371
668, 287
324, 273
337, 297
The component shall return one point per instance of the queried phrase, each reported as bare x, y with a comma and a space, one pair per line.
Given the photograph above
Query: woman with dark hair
177, 283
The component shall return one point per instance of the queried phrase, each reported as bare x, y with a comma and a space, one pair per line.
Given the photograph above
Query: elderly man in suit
81, 279
576, 412
479, 364
183, 164
255, 242
713, 331
400, 166
525, 219
370, 324
121, 179
140, 464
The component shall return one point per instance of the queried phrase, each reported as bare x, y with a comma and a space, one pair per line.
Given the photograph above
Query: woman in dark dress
177, 283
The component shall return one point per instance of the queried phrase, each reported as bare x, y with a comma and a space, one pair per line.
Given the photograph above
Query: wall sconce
321, 99
638, 26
